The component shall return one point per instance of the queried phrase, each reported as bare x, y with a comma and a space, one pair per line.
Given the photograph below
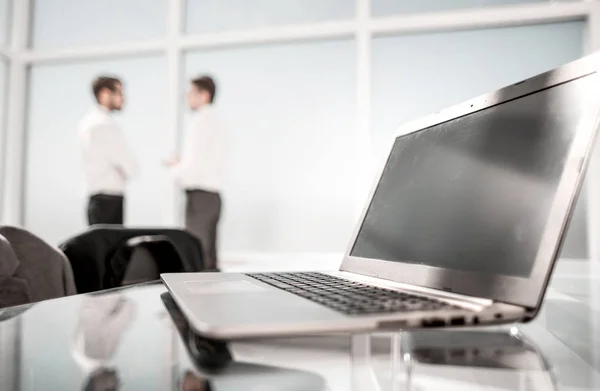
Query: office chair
105, 257
42, 272
13, 290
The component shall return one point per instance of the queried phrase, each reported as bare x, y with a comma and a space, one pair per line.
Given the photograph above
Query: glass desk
131, 339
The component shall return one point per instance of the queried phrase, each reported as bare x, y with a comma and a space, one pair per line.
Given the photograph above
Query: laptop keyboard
349, 297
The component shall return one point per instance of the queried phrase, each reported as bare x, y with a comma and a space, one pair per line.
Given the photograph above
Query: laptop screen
474, 194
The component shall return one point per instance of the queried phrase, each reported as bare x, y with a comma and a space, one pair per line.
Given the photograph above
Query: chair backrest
142, 259
142, 267
92, 253
8, 260
13, 290
45, 268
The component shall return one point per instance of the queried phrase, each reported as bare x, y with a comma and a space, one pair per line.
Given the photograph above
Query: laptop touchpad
220, 287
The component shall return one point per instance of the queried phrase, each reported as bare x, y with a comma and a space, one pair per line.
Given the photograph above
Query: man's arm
123, 158
113, 146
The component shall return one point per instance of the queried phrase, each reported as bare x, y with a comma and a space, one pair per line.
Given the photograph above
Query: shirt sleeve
124, 158
112, 144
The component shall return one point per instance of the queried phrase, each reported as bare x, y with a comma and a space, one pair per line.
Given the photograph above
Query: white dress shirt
108, 161
202, 164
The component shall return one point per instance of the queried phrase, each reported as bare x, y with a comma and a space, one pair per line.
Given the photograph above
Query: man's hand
122, 173
172, 161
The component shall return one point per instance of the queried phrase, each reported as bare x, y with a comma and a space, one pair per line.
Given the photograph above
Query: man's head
108, 92
202, 92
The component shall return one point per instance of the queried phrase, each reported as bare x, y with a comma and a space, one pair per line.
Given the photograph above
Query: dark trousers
105, 209
202, 214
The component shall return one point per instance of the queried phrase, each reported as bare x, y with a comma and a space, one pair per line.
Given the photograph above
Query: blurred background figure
192, 382
102, 322
108, 161
200, 169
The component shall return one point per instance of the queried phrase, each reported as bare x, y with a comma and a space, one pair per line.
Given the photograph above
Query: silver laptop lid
476, 199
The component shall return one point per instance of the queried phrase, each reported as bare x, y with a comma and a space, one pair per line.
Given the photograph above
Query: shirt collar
206, 108
102, 109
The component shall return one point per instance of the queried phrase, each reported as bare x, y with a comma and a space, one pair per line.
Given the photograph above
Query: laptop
463, 225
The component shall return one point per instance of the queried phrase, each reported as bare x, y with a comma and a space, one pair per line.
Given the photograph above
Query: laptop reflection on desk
234, 375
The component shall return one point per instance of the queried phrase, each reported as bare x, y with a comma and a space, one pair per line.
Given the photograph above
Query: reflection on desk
127, 340
224, 372
103, 319
488, 358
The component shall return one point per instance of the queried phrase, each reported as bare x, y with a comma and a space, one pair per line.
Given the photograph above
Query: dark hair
206, 83
103, 82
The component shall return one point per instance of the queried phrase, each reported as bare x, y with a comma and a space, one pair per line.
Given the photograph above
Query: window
301, 147
414, 75
388, 7
60, 23
219, 15
290, 113
5, 8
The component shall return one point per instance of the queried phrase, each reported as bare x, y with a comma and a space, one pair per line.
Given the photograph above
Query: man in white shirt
200, 169
108, 162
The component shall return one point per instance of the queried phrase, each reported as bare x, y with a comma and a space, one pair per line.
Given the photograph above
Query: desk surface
127, 340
